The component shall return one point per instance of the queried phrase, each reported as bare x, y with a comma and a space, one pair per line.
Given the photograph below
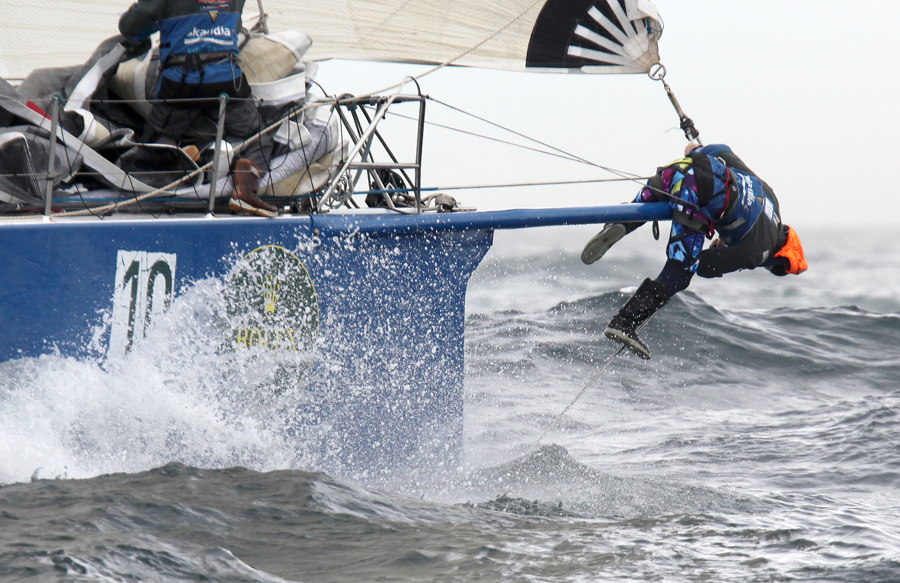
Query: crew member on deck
198, 59
711, 191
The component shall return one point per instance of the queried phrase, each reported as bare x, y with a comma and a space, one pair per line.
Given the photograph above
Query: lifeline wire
163, 191
252, 140
561, 155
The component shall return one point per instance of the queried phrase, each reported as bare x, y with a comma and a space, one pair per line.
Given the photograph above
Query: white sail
53, 34
594, 36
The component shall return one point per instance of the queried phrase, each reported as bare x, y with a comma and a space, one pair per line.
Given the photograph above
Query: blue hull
365, 312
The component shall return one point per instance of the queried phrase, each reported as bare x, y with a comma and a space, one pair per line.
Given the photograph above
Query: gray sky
802, 91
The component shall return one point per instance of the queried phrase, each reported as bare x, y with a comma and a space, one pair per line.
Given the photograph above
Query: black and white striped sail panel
614, 36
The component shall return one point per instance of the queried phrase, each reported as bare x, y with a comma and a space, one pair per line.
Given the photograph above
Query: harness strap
728, 179
196, 61
733, 224
692, 222
657, 186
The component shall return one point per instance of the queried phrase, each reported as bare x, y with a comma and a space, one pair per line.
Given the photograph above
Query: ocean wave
721, 345
180, 523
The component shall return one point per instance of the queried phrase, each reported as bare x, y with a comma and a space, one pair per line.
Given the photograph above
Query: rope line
163, 191
556, 419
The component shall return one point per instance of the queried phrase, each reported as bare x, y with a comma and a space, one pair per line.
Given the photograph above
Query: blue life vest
731, 200
200, 48
713, 194
747, 198
752, 202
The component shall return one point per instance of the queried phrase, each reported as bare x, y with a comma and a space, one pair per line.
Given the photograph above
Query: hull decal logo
273, 308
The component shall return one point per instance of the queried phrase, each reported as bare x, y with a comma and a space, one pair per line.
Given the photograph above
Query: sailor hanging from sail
198, 59
711, 191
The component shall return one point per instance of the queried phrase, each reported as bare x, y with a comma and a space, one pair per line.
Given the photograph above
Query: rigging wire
254, 139
571, 156
492, 139
518, 184
560, 153
624, 176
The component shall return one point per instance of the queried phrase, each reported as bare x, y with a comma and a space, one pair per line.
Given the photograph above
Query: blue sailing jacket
752, 199
200, 35
713, 187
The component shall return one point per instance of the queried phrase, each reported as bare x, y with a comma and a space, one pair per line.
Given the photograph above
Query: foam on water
172, 397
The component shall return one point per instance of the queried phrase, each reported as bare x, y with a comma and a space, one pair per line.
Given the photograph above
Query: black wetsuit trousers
177, 121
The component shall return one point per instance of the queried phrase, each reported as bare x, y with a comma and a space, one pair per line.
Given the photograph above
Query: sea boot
246, 183
192, 152
602, 241
650, 297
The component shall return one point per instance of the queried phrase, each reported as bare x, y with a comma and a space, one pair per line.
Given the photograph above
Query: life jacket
717, 192
793, 252
200, 48
729, 200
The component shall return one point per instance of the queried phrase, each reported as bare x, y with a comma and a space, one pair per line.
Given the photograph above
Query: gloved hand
134, 49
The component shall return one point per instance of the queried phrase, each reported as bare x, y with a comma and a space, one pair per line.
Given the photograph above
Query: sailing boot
650, 297
246, 183
602, 241
192, 152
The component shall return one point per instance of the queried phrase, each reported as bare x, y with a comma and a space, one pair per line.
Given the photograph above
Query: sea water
759, 444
